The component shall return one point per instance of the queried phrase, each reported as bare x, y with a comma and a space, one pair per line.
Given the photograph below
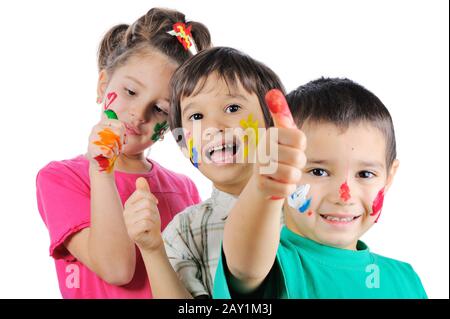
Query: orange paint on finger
279, 109
109, 141
281, 114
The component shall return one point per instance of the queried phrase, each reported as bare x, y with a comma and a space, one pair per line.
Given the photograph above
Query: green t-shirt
307, 269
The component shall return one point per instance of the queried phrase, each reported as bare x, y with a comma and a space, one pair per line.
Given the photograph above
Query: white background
397, 49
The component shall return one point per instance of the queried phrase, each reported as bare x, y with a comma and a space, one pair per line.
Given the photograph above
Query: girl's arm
144, 227
163, 278
105, 247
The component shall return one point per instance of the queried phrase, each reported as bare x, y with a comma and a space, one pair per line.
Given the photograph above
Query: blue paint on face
305, 206
195, 157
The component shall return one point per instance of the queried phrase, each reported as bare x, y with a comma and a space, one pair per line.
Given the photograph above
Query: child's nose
213, 126
137, 118
341, 193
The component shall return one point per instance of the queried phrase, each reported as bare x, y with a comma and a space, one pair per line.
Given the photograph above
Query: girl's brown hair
149, 32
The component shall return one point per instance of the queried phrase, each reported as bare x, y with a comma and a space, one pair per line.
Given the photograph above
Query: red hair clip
184, 36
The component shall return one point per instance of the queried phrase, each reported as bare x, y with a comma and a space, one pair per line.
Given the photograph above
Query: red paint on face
310, 213
344, 192
378, 204
110, 97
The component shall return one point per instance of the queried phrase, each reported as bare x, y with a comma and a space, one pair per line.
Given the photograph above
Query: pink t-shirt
63, 196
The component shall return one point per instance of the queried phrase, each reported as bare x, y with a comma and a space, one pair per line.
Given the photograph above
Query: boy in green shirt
335, 189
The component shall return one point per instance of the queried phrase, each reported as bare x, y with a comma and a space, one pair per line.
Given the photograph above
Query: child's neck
233, 189
133, 163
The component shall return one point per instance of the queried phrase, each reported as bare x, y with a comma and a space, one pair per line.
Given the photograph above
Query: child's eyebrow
190, 105
318, 161
135, 80
239, 96
374, 164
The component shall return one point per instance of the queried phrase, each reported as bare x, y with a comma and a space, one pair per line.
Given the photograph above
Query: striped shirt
193, 241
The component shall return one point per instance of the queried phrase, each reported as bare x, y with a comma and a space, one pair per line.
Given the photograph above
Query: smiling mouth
222, 153
336, 219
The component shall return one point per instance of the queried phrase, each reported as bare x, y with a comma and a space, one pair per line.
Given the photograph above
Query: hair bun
110, 42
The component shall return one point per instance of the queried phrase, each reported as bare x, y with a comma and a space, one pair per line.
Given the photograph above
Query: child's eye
160, 110
318, 172
365, 174
130, 92
196, 117
232, 108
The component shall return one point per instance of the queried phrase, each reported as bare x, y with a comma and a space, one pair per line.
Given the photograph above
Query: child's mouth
223, 153
338, 219
131, 130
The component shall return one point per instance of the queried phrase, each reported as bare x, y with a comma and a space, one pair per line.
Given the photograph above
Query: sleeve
64, 204
177, 241
272, 286
421, 294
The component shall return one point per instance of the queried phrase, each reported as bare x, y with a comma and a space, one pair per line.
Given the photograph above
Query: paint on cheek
109, 142
193, 154
378, 204
298, 200
110, 97
159, 130
305, 206
111, 114
344, 192
252, 125
310, 213
194, 157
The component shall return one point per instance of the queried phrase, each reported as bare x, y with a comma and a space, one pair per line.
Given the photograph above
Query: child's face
142, 92
216, 110
348, 175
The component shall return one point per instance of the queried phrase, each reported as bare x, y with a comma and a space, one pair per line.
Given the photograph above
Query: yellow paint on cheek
249, 123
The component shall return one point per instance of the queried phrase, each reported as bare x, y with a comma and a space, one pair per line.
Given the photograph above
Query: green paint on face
159, 130
111, 114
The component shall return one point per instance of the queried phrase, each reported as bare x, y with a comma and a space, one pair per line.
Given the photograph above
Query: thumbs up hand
290, 158
142, 218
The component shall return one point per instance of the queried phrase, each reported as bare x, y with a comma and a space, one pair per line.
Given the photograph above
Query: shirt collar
222, 202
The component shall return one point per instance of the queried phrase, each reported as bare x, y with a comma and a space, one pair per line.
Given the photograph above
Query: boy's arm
252, 230
105, 247
251, 237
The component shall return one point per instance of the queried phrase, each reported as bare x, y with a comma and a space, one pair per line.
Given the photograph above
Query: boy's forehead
360, 142
214, 86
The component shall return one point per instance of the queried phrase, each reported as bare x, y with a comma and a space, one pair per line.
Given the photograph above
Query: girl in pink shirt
81, 199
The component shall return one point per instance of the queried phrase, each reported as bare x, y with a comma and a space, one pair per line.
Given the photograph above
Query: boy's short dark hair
342, 102
229, 64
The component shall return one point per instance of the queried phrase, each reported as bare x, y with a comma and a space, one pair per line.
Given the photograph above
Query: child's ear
391, 174
102, 84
